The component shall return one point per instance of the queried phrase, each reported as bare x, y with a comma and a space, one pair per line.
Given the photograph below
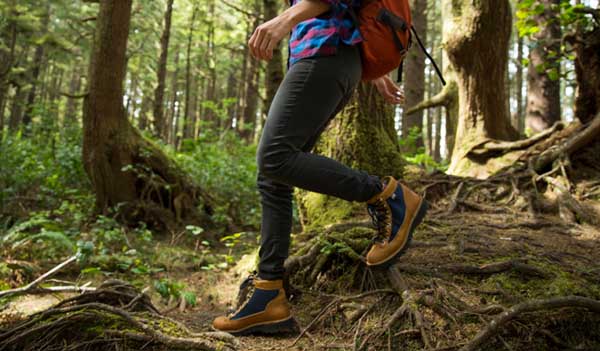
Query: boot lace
244, 293
380, 218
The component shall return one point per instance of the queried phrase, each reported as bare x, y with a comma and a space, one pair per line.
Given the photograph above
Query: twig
33, 284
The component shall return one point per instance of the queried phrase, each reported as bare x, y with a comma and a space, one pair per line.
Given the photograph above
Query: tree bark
35, 75
477, 47
125, 169
587, 69
189, 115
519, 118
159, 92
543, 93
16, 110
274, 73
415, 74
70, 116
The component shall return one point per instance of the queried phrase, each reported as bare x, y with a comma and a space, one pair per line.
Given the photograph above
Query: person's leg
307, 98
312, 93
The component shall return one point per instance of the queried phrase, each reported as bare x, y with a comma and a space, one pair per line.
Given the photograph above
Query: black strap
437, 69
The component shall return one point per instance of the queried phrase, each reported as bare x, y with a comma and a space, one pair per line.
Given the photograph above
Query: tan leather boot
267, 311
396, 212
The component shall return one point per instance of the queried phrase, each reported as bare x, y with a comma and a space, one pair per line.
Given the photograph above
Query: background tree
125, 168
543, 84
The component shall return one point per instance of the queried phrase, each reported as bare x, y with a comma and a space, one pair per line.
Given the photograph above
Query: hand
267, 36
391, 92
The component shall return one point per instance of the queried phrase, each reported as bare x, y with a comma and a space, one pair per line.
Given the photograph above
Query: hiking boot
267, 311
396, 212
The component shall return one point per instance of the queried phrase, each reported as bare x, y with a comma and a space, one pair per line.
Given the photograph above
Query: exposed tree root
531, 306
115, 316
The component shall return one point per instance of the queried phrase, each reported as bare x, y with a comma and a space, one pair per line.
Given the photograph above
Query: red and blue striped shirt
321, 36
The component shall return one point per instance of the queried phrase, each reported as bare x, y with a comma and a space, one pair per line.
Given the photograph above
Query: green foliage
225, 166
169, 289
569, 17
46, 169
418, 155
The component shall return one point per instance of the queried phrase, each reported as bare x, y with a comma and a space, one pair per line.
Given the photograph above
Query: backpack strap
437, 69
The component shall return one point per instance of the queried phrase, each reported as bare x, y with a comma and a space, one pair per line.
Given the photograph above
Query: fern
58, 238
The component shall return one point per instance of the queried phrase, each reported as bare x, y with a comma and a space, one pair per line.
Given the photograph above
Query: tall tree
274, 73
543, 92
477, 47
190, 111
159, 92
126, 169
35, 72
414, 68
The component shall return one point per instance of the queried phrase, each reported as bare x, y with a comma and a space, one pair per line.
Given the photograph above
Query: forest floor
464, 265
546, 260
498, 264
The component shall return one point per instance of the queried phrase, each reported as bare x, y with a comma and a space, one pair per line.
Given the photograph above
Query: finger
252, 44
260, 36
264, 46
270, 48
388, 96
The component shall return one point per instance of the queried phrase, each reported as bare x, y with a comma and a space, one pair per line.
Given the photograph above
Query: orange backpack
385, 26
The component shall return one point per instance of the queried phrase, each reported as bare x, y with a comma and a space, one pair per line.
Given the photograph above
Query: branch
441, 99
522, 144
495, 325
75, 96
40, 279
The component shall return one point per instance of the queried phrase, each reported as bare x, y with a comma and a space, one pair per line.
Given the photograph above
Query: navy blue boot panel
258, 303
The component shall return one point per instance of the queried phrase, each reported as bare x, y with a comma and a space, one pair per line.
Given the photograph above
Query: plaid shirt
320, 36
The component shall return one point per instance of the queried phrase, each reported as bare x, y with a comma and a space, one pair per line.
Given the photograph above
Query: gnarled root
115, 316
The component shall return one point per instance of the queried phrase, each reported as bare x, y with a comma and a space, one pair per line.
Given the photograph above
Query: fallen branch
495, 326
27, 288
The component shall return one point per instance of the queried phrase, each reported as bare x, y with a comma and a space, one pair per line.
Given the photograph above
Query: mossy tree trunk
125, 169
477, 47
363, 137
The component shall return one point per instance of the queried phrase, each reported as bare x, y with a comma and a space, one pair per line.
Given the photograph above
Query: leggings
313, 91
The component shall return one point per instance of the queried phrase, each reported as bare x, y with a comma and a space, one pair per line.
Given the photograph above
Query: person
324, 67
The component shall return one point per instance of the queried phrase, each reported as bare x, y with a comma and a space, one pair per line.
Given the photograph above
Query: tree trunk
362, 136
144, 109
437, 154
189, 115
172, 113
478, 49
543, 93
519, 118
159, 92
125, 169
70, 116
16, 110
414, 68
587, 68
7, 55
274, 73
35, 74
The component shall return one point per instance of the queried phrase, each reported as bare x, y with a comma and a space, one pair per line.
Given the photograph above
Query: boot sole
418, 219
280, 327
